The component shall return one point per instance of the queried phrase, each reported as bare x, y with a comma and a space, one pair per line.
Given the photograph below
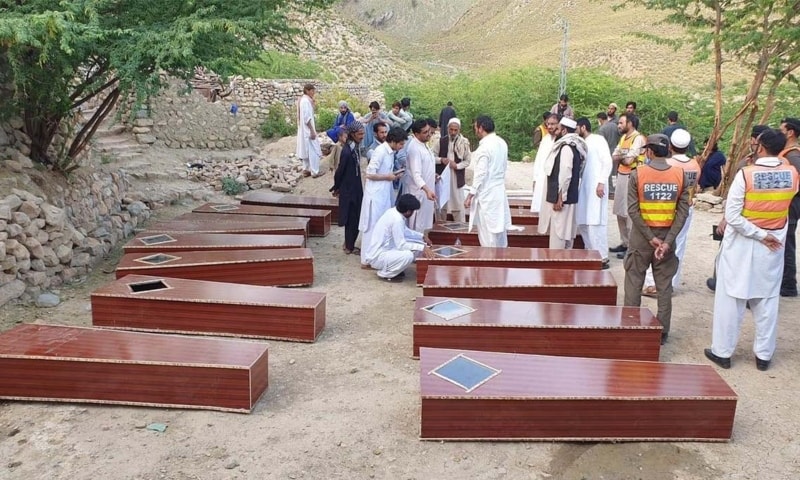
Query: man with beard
563, 168
539, 177
420, 176
379, 130
627, 156
487, 202
307, 143
348, 188
611, 113
452, 151
592, 214
562, 108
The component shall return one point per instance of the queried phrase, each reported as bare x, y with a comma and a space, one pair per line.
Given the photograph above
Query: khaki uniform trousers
638, 258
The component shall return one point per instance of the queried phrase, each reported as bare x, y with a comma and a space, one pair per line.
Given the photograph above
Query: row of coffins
215, 271
528, 344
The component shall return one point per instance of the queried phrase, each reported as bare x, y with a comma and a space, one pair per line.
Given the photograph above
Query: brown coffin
296, 201
514, 257
289, 267
71, 364
519, 216
587, 287
536, 397
593, 331
519, 203
294, 226
178, 242
319, 224
528, 237
176, 305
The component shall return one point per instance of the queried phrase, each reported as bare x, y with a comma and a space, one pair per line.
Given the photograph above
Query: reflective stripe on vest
625, 145
767, 194
659, 191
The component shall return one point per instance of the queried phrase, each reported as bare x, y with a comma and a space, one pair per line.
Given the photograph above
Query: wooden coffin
176, 305
72, 364
519, 216
519, 203
319, 224
537, 397
288, 267
587, 287
511, 257
594, 331
178, 242
256, 197
293, 226
528, 237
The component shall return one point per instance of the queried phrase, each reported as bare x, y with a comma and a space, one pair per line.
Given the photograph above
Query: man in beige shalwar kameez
563, 169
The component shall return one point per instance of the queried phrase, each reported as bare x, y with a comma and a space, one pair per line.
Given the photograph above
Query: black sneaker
711, 283
621, 255
787, 293
618, 249
762, 365
721, 361
605, 265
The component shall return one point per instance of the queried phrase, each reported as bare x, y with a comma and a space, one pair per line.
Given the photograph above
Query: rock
141, 130
14, 230
53, 215
35, 248
231, 465
281, 187
702, 206
145, 138
23, 160
5, 211
30, 209
13, 165
21, 219
80, 260
143, 122
64, 253
47, 300
136, 208
12, 201
11, 291
708, 198
4, 140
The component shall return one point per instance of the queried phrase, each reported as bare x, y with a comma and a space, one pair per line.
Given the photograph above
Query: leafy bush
516, 99
231, 187
274, 64
277, 124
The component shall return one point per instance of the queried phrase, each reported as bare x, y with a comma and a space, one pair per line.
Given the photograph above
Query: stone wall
181, 119
47, 240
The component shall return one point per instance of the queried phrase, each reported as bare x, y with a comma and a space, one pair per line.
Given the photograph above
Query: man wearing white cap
592, 214
563, 169
539, 177
679, 142
452, 151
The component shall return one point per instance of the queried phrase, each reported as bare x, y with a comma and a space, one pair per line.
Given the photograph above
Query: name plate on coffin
517, 257
176, 305
590, 287
527, 237
472, 395
176, 242
595, 331
319, 224
288, 267
72, 364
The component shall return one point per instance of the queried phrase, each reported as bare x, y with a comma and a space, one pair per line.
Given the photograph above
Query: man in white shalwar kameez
308, 148
486, 198
378, 190
750, 264
592, 214
395, 246
539, 177
420, 176
563, 168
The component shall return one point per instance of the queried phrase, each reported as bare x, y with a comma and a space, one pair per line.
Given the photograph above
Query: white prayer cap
568, 122
680, 138
454, 120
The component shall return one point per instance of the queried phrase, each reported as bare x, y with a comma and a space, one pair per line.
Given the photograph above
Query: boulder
47, 300
53, 215
11, 291
708, 198
21, 219
30, 209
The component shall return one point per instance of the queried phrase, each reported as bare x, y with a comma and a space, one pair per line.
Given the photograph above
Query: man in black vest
563, 169
453, 152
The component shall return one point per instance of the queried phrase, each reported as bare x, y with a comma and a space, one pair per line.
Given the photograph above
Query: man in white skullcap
563, 168
453, 151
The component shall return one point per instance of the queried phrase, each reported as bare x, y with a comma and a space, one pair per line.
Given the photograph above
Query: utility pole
562, 84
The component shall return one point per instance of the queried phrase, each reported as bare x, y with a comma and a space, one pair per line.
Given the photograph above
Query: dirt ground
347, 406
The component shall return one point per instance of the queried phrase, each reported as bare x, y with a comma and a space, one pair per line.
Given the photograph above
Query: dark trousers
789, 283
351, 226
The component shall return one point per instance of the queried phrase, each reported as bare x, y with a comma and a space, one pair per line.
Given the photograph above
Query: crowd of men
412, 181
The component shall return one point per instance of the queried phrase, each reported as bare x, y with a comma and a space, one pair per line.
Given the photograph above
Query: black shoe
618, 249
722, 362
711, 283
605, 265
621, 255
788, 293
664, 337
762, 365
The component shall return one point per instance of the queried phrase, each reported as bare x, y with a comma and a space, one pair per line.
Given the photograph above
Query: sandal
650, 292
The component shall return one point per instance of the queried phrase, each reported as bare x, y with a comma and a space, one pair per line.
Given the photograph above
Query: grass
274, 64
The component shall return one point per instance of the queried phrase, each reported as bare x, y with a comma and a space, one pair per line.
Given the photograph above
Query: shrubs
231, 187
277, 124
274, 64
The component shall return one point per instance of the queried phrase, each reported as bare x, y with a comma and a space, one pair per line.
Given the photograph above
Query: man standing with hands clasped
658, 204
750, 265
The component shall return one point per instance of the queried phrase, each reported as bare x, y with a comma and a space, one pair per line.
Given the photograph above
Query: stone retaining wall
188, 120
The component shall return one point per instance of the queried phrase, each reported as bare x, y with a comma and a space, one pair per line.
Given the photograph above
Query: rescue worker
658, 204
750, 265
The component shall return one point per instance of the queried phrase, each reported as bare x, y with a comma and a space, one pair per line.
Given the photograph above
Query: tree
58, 55
763, 35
